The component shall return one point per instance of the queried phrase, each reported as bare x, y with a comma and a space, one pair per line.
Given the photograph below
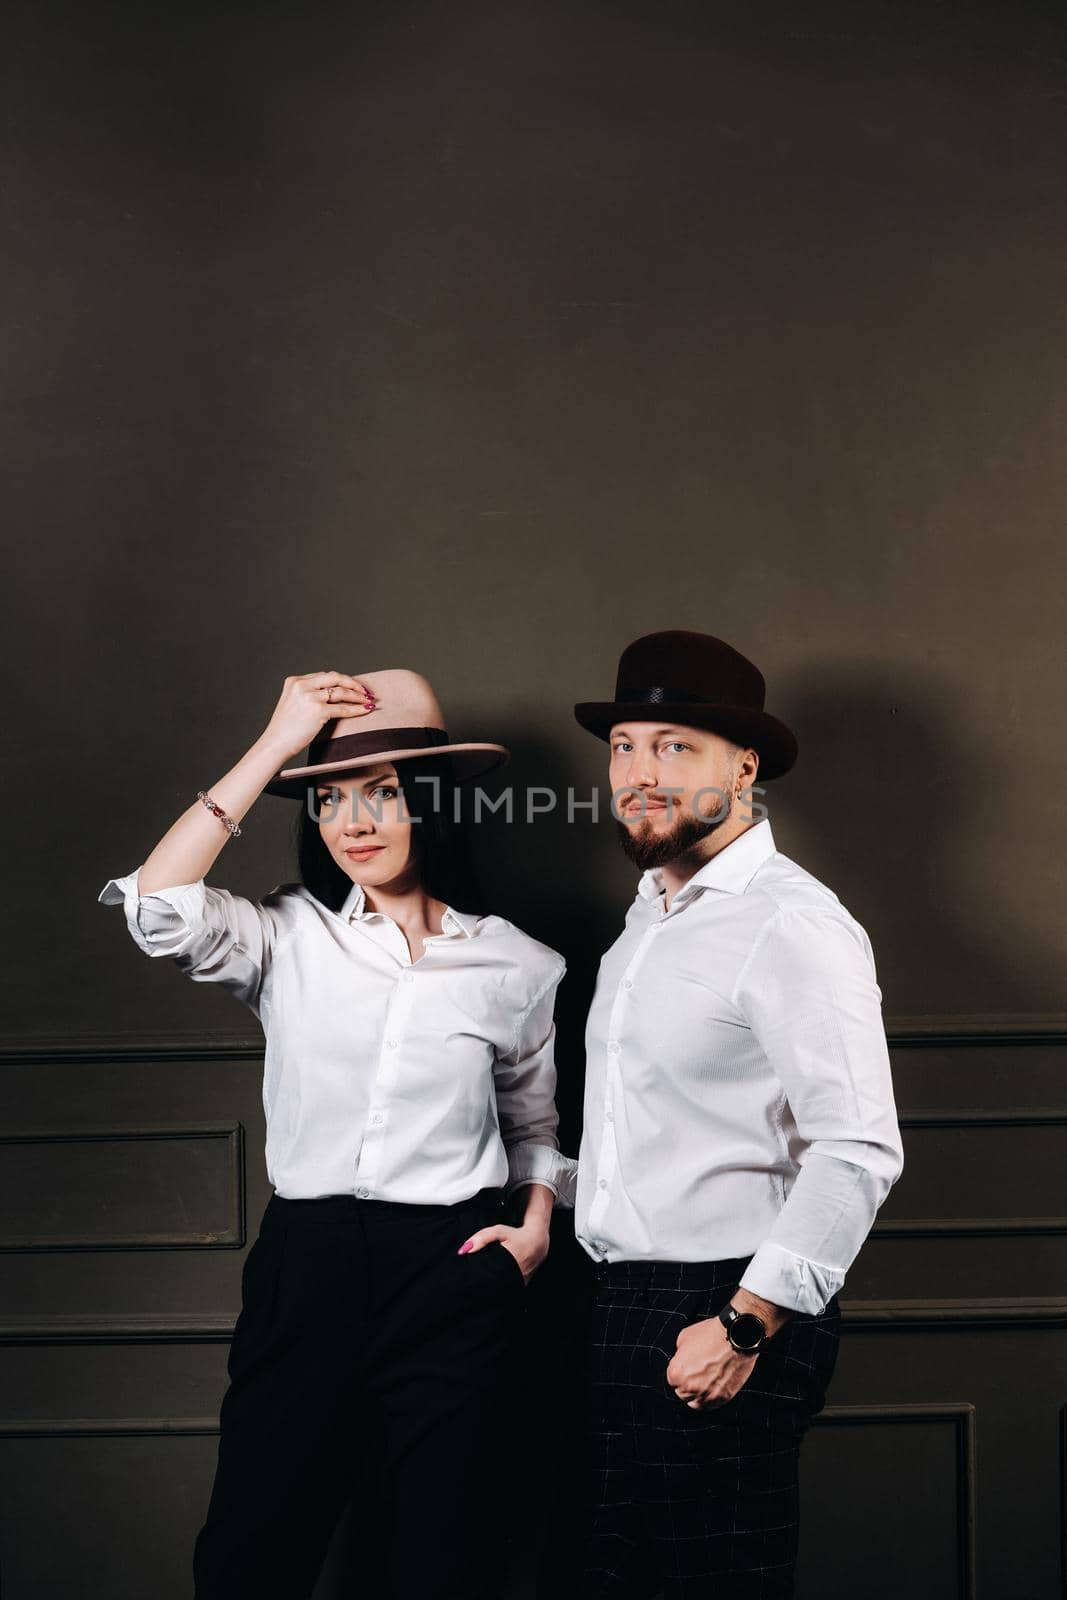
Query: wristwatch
745, 1331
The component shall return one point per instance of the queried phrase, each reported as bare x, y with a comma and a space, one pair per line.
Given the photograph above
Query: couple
739, 1136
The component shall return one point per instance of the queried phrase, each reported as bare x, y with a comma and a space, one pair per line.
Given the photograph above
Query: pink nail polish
462, 1251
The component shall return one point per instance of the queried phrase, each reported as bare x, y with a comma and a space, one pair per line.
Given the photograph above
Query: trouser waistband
351, 1208
672, 1274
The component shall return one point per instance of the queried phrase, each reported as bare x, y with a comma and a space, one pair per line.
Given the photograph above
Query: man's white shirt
738, 1096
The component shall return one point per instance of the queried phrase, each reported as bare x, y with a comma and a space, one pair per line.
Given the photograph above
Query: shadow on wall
906, 801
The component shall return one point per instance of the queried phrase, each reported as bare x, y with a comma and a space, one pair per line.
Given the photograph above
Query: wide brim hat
701, 682
407, 722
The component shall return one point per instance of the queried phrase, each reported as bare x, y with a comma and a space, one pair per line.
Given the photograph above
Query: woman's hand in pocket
528, 1244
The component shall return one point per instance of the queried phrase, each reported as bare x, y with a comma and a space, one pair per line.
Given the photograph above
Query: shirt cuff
789, 1280
530, 1162
163, 923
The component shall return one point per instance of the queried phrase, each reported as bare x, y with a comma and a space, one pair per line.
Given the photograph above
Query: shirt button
627, 983
609, 1115
602, 1183
391, 1043
408, 976
613, 1046
363, 1193
377, 1117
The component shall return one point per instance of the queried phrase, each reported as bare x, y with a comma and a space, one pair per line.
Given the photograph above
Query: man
740, 1134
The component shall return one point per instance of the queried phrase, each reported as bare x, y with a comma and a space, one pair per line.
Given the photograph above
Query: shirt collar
731, 869
354, 907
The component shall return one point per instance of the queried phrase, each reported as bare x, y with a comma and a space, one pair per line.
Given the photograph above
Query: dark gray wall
481, 338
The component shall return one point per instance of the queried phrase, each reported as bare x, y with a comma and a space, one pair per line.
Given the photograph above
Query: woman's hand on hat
310, 699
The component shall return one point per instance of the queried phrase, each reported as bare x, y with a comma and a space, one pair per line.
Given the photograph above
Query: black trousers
687, 1503
363, 1333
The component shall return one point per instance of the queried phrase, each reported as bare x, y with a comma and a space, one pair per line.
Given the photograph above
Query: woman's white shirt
419, 1082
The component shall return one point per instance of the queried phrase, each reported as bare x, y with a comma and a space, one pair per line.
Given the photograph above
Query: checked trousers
687, 1503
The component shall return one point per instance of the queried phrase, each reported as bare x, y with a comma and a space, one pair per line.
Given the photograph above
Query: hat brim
775, 744
469, 761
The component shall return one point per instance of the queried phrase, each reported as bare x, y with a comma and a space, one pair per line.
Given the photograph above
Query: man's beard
646, 848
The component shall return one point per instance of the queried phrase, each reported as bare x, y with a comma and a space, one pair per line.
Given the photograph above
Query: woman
409, 1090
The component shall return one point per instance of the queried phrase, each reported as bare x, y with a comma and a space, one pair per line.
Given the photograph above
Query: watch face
746, 1332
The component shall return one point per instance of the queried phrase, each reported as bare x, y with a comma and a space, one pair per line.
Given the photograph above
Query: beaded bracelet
234, 827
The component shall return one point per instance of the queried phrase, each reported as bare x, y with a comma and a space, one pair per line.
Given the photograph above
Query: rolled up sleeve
525, 1079
211, 935
810, 995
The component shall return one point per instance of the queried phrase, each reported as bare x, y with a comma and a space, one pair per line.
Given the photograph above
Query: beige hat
407, 721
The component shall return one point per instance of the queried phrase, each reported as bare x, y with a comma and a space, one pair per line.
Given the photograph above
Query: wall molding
1038, 1312
981, 1227
961, 1415
108, 1427
1008, 1027
131, 1328
231, 1238
18, 1050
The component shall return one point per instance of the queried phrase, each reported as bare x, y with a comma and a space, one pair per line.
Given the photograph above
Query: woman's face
365, 825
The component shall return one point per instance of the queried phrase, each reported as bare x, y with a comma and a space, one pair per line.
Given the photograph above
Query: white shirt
385, 1078
738, 1096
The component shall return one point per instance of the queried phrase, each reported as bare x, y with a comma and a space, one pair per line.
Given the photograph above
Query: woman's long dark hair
441, 843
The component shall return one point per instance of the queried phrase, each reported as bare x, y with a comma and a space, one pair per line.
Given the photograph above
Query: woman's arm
211, 935
534, 1203
525, 1085
189, 848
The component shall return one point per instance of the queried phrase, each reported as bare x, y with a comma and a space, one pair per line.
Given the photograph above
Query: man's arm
772, 1316
809, 993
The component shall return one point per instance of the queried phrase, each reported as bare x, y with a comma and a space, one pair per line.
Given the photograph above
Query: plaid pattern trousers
687, 1503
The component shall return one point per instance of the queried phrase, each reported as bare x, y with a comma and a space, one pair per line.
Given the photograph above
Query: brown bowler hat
407, 722
700, 681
